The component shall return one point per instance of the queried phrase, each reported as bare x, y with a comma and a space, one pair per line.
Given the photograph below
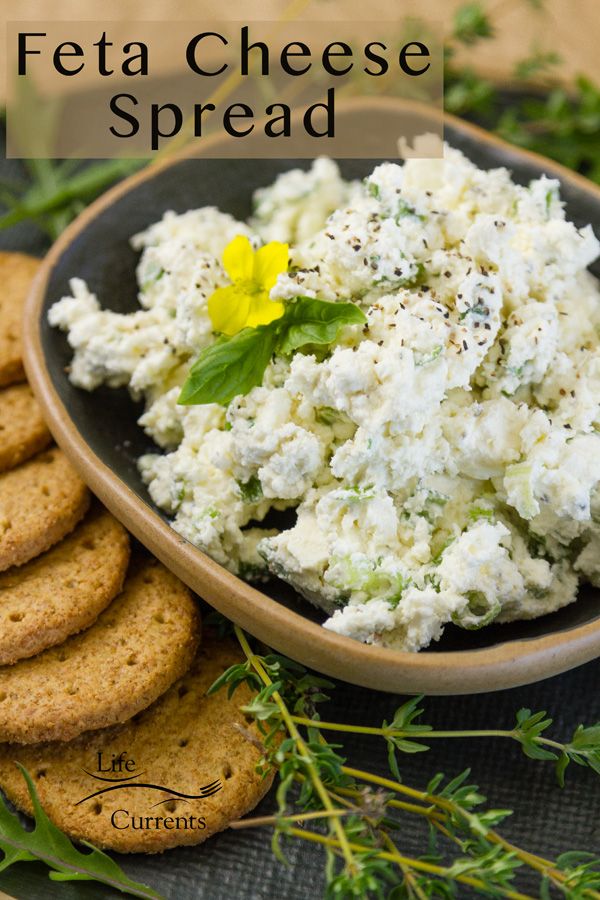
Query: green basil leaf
230, 367
311, 321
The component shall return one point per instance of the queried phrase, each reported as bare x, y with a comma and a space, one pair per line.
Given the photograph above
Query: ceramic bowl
99, 433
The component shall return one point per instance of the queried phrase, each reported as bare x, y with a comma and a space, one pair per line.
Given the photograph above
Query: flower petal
262, 310
228, 309
269, 262
238, 258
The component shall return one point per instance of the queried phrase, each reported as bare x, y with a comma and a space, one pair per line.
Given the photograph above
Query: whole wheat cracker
23, 431
17, 271
40, 502
135, 650
63, 591
186, 742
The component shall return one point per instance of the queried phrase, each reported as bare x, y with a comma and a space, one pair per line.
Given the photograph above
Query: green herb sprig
354, 814
233, 366
47, 844
58, 191
559, 121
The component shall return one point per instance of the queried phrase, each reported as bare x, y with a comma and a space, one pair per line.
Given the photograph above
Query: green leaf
408, 746
311, 321
251, 490
233, 366
230, 367
537, 64
47, 844
56, 195
573, 858
467, 92
561, 765
545, 893
393, 761
529, 728
471, 23
405, 716
405, 209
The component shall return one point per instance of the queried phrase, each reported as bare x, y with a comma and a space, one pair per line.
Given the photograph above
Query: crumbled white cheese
440, 464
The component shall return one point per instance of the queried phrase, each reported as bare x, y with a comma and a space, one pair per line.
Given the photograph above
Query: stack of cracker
103, 672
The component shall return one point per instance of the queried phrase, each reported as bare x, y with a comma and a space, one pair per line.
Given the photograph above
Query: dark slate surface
235, 865
547, 819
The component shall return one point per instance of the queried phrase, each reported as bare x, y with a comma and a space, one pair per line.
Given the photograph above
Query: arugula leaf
311, 321
233, 366
230, 367
47, 844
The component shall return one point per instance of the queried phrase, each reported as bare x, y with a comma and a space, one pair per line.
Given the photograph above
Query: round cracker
136, 649
63, 591
23, 431
17, 271
40, 502
185, 742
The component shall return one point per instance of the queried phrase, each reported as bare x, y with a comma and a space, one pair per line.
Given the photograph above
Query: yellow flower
246, 303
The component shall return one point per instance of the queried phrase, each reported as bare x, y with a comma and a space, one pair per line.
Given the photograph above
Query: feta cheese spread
440, 463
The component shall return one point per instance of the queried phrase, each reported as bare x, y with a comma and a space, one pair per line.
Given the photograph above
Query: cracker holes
182, 691
2, 696
159, 617
89, 544
148, 579
45, 491
132, 659
16, 616
41, 773
97, 808
171, 806
184, 742
62, 656
227, 771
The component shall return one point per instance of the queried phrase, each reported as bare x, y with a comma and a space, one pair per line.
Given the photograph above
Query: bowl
98, 431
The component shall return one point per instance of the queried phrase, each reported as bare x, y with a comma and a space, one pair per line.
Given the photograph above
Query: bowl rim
503, 665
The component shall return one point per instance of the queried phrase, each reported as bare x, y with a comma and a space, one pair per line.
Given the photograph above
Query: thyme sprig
58, 190
583, 748
557, 120
357, 816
